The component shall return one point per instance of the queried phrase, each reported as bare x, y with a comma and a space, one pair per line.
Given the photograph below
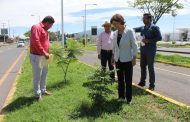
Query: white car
20, 44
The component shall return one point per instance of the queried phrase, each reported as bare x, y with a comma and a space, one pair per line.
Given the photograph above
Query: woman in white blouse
124, 56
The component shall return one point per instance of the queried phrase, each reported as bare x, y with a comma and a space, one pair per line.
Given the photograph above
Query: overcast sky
18, 13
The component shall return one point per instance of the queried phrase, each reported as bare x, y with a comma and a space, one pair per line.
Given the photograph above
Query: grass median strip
177, 60
174, 59
70, 101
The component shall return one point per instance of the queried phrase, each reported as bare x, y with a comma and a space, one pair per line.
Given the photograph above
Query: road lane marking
10, 68
153, 92
173, 72
11, 92
178, 73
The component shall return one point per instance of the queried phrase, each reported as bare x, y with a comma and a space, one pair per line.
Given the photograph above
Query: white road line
178, 73
4, 77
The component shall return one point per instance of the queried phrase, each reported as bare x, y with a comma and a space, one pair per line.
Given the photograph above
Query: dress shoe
141, 84
151, 88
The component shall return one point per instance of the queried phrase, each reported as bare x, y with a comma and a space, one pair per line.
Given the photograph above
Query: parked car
20, 44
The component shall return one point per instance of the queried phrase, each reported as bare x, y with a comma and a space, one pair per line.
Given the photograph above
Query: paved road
185, 50
171, 81
175, 49
168, 53
11, 59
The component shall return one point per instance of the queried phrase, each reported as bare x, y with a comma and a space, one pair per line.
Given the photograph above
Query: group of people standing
120, 48
117, 48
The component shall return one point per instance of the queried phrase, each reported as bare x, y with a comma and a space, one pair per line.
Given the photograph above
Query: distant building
185, 33
182, 34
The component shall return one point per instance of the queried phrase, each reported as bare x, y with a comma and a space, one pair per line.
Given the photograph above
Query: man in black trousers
150, 35
104, 47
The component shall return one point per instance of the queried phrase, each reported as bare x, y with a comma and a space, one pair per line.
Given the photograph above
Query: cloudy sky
18, 14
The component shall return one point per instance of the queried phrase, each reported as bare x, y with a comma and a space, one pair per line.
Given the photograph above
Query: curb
153, 93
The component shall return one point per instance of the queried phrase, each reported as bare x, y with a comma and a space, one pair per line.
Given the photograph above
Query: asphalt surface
171, 81
8, 57
176, 51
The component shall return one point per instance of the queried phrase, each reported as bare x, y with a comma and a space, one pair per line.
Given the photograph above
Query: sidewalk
171, 81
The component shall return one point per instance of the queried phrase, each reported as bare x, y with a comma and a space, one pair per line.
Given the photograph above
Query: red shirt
39, 40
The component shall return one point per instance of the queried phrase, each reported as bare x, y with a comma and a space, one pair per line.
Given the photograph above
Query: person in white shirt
124, 56
104, 48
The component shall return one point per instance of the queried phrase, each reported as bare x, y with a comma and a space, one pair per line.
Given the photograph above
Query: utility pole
3, 24
62, 23
85, 36
174, 14
85, 25
9, 27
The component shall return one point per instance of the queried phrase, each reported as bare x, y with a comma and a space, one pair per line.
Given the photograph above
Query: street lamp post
9, 27
174, 14
85, 21
62, 22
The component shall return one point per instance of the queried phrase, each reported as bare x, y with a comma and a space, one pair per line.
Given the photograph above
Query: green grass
176, 60
169, 44
170, 59
183, 46
71, 102
90, 47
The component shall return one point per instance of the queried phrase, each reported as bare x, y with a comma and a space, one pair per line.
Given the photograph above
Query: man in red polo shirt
39, 50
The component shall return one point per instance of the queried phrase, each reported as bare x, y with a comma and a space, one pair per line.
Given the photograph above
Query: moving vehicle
20, 44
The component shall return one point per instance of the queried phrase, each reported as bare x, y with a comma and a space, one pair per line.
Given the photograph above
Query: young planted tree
157, 7
98, 83
65, 56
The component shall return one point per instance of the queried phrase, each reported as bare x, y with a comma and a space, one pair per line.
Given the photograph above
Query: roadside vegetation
74, 100
176, 60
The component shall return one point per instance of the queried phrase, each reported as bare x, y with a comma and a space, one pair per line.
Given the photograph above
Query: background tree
27, 34
157, 7
52, 35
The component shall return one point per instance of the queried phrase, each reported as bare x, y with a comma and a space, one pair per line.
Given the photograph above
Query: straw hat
106, 23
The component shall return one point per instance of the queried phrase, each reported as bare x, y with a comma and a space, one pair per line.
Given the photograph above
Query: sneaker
129, 102
151, 88
38, 98
47, 93
121, 100
141, 84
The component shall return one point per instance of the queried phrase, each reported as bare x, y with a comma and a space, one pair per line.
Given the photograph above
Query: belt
36, 54
107, 50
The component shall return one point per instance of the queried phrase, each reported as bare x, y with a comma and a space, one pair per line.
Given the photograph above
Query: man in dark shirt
151, 34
